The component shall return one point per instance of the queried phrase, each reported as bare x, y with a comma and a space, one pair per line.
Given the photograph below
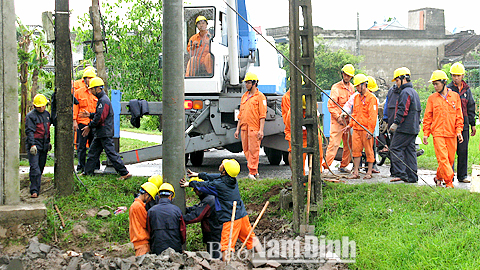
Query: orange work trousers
336, 135
359, 142
445, 149
251, 149
241, 229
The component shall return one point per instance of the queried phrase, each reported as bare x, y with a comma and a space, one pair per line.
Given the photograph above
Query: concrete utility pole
98, 41
302, 55
357, 51
9, 184
173, 164
63, 84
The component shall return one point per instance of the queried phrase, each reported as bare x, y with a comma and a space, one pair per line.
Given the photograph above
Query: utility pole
98, 39
173, 165
63, 84
357, 51
9, 182
302, 55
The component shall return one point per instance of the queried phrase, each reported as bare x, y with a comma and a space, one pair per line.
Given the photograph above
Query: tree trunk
24, 105
33, 90
98, 41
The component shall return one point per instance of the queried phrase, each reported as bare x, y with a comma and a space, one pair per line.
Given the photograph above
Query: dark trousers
402, 148
462, 156
96, 148
82, 147
37, 163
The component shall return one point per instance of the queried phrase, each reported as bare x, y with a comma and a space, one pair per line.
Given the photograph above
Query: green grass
125, 145
429, 161
403, 226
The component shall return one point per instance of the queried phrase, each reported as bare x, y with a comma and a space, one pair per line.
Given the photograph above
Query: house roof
462, 45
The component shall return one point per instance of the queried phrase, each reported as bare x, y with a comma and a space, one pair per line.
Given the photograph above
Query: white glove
33, 150
393, 128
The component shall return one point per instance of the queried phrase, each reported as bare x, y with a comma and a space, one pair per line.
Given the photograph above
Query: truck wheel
285, 158
197, 158
274, 156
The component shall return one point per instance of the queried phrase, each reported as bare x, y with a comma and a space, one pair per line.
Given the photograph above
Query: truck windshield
200, 30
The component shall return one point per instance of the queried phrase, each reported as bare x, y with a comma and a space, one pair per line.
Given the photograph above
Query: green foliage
402, 226
134, 43
328, 63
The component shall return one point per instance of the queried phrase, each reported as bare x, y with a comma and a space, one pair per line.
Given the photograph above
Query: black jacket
37, 129
205, 213
137, 109
166, 226
408, 110
392, 98
225, 190
468, 104
102, 119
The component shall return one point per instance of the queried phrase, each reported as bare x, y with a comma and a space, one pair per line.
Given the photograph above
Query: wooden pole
98, 39
254, 225
232, 221
309, 188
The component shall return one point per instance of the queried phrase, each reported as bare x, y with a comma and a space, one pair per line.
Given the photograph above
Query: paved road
214, 157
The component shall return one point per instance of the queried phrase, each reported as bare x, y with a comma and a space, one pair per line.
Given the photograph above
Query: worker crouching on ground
157, 180
137, 216
444, 120
405, 128
37, 130
365, 111
165, 223
224, 187
459, 86
102, 125
251, 120
204, 212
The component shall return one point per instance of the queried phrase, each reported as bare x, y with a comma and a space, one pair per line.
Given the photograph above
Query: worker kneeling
137, 216
444, 120
224, 187
165, 221
365, 108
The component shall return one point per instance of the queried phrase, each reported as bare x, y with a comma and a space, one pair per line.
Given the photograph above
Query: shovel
306, 228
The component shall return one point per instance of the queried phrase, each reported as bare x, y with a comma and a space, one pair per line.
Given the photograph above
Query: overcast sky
338, 15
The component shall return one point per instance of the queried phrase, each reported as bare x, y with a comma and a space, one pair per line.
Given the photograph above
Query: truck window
200, 31
224, 26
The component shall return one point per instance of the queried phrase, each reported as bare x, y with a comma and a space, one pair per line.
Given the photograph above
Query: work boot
125, 177
251, 177
464, 180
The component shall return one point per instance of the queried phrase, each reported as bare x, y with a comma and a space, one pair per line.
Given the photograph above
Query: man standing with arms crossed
251, 120
405, 128
341, 92
459, 86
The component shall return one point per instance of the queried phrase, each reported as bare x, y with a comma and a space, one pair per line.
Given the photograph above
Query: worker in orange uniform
200, 62
137, 215
340, 93
365, 111
251, 120
444, 120
86, 102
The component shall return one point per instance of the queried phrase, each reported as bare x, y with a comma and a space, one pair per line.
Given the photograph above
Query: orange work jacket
252, 109
137, 215
365, 111
443, 115
340, 94
86, 101
199, 49
285, 111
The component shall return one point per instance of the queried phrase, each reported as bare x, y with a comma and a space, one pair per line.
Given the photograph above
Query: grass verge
403, 226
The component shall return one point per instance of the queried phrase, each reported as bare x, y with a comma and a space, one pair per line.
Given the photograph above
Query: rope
305, 76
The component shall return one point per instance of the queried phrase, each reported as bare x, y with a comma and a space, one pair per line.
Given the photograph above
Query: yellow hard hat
94, 82
400, 72
195, 179
349, 69
156, 179
231, 166
89, 72
359, 79
372, 84
150, 188
457, 69
39, 100
304, 103
438, 75
167, 187
201, 18
250, 77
